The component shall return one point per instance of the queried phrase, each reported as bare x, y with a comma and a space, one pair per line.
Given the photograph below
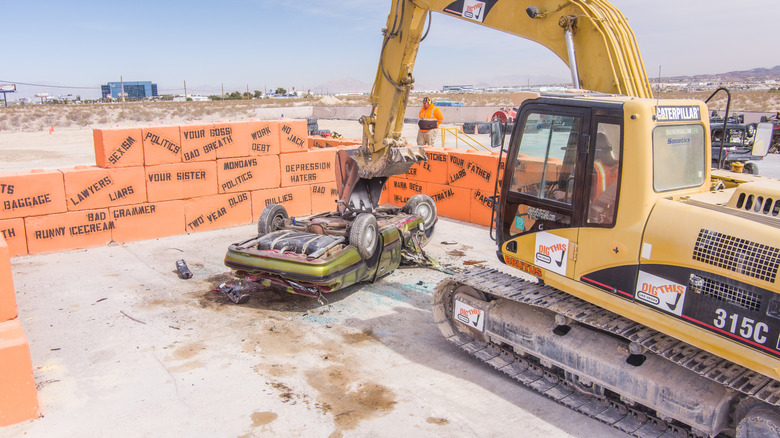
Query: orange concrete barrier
312, 167
201, 142
528, 172
162, 145
323, 197
18, 396
7, 292
89, 187
237, 145
401, 189
451, 202
472, 170
345, 142
293, 135
262, 137
248, 173
193, 138
181, 181
317, 142
433, 170
481, 207
118, 147
297, 200
72, 230
217, 211
12, 231
147, 221
31, 193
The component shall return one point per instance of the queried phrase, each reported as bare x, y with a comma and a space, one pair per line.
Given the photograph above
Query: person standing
430, 119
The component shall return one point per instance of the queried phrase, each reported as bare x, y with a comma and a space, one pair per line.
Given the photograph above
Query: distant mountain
516, 80
757, 74
352, 85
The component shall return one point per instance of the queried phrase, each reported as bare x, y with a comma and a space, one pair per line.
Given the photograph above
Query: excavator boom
592, 37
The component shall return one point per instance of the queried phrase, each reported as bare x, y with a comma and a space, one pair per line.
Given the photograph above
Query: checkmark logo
560, 262
673, 307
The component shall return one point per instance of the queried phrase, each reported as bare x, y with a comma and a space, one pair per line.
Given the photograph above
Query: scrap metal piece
183, 270
234, 293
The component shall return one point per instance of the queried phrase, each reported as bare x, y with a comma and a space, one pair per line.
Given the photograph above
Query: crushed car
321, 253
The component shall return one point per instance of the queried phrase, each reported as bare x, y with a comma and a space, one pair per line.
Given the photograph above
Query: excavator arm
591, 36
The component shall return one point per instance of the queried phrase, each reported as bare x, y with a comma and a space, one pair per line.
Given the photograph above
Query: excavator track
639, 422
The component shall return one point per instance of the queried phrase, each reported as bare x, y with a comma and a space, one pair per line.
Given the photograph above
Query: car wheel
751, 168
364, 235
423, 206
271, 219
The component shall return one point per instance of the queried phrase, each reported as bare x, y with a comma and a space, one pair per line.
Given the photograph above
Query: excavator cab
563, 173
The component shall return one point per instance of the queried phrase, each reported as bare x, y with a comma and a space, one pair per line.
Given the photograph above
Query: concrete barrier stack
460, 182
161, 180
158, 181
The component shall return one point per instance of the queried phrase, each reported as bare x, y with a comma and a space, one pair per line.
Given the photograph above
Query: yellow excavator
655, 304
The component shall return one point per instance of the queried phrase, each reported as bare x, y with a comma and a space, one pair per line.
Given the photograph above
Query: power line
98, 87
49, 86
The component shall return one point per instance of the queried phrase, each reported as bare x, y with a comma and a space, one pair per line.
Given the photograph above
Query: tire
750, 168
271, 219
423, 206
483, 128
311, 124
364, 235
469, 127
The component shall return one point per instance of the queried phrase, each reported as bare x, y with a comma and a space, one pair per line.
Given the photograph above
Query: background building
457, 89
134, 90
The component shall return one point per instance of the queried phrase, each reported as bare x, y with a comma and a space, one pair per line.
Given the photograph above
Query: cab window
604, 175
544, 172
678, 157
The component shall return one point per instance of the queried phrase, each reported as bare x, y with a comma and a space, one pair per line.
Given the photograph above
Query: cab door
542, 194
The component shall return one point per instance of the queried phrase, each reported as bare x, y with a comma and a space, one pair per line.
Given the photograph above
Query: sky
307, 44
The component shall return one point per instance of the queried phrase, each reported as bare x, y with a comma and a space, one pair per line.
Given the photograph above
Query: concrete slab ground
123, 347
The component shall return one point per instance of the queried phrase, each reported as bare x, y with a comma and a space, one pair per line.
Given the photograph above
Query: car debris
233, 291
183, 270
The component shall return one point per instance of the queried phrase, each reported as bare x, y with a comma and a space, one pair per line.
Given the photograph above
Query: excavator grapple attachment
360, 179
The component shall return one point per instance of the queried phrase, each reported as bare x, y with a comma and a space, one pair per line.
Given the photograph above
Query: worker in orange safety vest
603, 190
430, 119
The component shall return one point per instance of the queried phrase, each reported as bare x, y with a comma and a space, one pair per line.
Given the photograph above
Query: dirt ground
39, 118
122, 346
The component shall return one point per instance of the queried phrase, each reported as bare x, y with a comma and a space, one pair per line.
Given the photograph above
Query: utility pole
185, 90
122, 88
